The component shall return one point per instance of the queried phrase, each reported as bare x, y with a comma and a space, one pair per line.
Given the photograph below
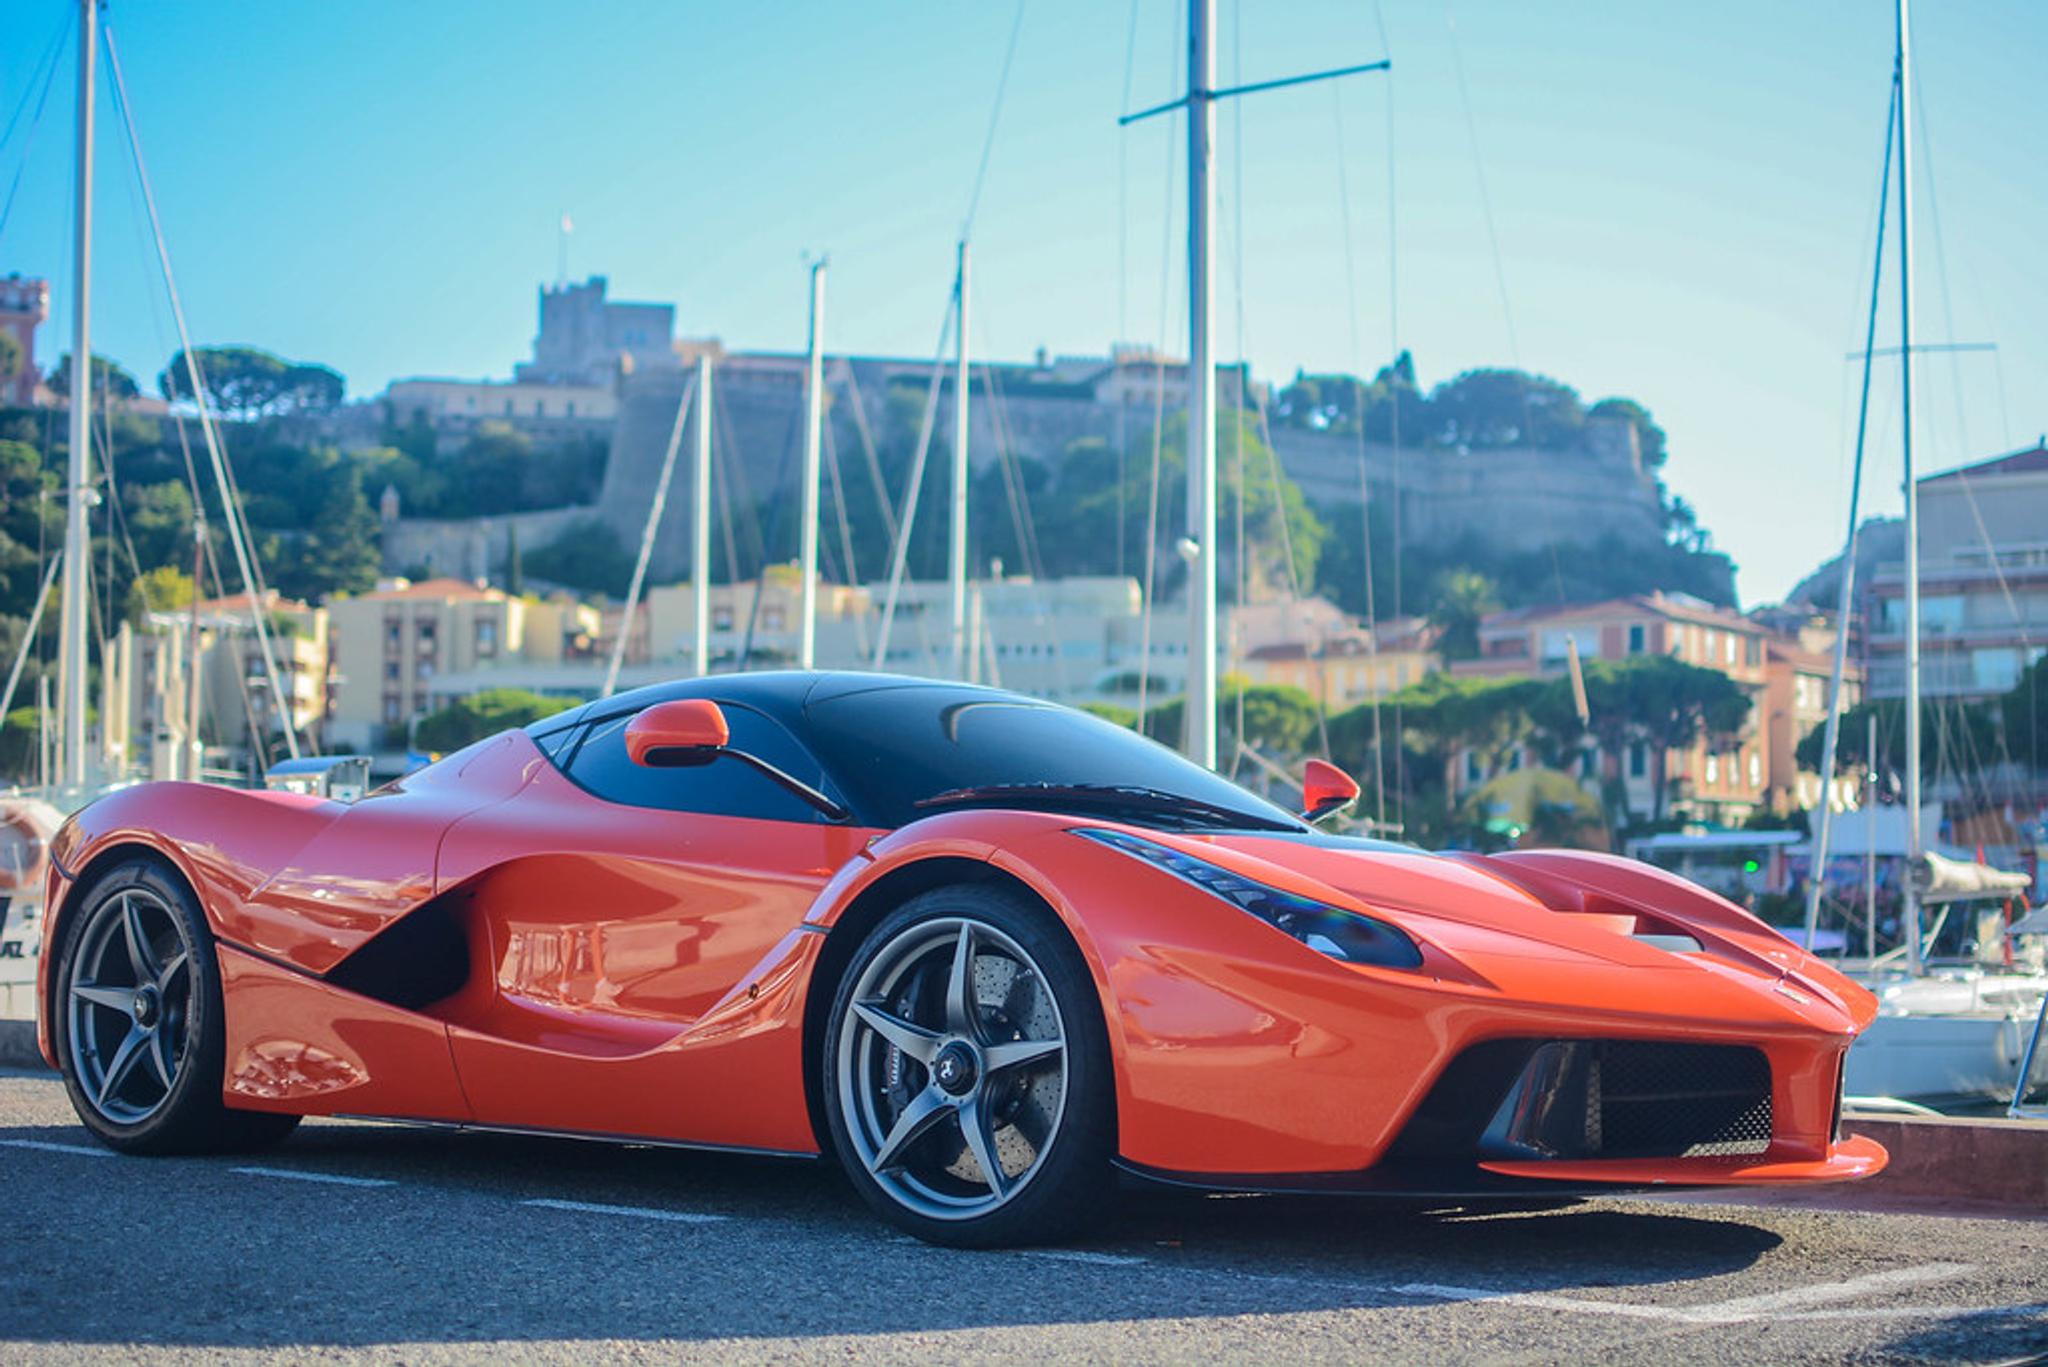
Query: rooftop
2032, 460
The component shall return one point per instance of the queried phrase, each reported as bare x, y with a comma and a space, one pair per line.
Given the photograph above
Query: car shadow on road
449, 1253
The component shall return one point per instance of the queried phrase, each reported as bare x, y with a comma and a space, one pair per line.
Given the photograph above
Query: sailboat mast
1911, 917
956, 552
1201, 474
814, 417
77, 535
700, 524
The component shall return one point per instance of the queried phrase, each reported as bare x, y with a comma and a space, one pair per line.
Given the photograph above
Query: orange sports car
989, 952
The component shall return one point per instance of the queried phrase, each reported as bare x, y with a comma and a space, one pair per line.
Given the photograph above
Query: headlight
1341, 934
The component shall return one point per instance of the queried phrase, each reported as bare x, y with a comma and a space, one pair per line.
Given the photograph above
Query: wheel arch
60, 923
876, 898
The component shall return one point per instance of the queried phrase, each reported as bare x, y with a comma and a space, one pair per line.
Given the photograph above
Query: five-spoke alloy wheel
967, 1074
128, 1005
136, 1011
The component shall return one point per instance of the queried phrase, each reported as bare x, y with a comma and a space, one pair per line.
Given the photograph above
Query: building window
569, 409
1638, 760
394, 634
1728, 648
1636, 635
391, 712
391, 671
771, 619
1713, 767
1756, 769
721, 619
486, 636
1752, 652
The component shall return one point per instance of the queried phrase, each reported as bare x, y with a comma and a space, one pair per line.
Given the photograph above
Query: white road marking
44, 1146
1541, 1300
1775, 1304
298, 1175
686, 1217
1081, 1255
1871, 1312
1821, 1293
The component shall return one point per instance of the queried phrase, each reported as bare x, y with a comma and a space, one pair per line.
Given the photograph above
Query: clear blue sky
1683, 197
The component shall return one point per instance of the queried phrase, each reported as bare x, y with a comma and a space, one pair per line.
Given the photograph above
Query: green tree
1280, 721
468, 720
248, 383
1461, 600
1507, 408
110, 379
1664, 704
585, 556
165, 589
11, 358
1955, 736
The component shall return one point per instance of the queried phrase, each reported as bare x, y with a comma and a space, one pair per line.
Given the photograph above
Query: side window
724, 787
556, 744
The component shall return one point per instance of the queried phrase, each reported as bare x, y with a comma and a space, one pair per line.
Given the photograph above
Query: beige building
234, 686
1334, 660
1715, 779
1797, 667
456, 403
390, 645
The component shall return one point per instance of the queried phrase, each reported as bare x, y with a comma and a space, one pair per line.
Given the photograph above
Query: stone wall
1517, 499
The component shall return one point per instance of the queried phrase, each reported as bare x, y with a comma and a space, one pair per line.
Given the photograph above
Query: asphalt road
383, 1243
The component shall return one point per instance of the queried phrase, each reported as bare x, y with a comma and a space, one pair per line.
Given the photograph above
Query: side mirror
1325, 790
673, 735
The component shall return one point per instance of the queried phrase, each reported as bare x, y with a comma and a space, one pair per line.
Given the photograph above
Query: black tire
1067, 1181
181, 1027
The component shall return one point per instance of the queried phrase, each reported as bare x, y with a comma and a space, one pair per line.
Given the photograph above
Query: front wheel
967, 1072
138, 1024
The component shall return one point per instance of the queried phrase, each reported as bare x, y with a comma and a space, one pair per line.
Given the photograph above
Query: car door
610, 906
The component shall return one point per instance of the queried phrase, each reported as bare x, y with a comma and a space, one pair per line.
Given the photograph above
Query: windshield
904, 753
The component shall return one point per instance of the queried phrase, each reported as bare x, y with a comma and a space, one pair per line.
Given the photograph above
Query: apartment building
1714, 779
390, 645
235, 687
1983, 582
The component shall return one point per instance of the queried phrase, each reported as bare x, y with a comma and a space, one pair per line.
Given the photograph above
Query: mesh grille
1647, 1099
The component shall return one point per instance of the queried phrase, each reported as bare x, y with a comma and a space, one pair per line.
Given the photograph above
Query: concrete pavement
358, 1242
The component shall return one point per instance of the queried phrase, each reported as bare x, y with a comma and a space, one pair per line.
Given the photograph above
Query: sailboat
1945, 1033
78, 770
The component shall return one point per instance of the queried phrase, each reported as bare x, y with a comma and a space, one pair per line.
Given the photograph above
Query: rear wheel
137, 1019
967, 1072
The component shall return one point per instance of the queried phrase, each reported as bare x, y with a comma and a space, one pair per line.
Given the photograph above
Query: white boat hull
1938, 1059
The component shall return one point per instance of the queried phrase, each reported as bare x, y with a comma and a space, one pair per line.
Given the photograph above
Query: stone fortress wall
1515, 498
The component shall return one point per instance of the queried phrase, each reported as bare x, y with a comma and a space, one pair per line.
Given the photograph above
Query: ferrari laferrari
991, 954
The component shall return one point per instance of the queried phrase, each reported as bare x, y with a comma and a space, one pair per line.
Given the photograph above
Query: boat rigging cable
948, 328
1167, 298
223, 473
1379, 781
647, 535
52, 57
1955, 352
1394, 410
1817, 877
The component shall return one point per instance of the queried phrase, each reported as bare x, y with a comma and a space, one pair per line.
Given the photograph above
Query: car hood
1553, 906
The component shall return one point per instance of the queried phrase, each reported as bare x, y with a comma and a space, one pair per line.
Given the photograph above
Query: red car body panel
646, 973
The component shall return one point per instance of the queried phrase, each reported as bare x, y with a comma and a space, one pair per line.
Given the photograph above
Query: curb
2000, 1163
18, 1046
